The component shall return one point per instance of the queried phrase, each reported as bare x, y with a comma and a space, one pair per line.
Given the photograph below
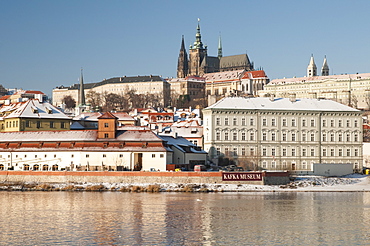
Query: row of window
303, 166
284, 152
28, 124
72, 156
284, 122
340, 137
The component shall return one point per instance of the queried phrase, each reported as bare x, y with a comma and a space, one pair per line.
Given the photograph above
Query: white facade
349, 89
75, 160
283, 134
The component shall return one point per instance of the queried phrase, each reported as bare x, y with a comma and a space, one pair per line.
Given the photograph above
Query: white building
107, 148
283, 133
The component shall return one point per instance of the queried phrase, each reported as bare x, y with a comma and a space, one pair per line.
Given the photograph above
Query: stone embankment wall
133, 177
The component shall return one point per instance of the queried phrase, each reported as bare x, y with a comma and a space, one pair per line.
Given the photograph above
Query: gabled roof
107, 115
254, 74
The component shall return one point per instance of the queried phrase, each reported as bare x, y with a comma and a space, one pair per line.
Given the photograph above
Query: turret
325, 68
311, 69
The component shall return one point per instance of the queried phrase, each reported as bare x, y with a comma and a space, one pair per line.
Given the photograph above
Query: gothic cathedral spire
311, 69
183, 62
325, 68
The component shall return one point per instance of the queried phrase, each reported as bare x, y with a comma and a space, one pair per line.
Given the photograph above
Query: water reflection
82, 218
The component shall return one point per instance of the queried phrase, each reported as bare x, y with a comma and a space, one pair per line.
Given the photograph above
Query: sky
44, 44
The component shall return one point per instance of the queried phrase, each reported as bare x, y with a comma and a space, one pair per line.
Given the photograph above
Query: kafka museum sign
241, 176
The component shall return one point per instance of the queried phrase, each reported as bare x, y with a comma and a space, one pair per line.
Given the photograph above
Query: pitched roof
107, 115
33, 108
254, 74
234, 61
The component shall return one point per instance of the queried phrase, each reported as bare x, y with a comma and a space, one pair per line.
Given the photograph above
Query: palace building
349, 89
283, 133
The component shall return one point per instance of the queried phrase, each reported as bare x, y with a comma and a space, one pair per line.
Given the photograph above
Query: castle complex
199, 63
348, 89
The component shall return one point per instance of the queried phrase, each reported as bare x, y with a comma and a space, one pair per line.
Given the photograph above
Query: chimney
292, 97
39, 97
272, 97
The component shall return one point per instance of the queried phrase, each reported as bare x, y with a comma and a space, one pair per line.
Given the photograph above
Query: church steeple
183, 62
311, 69
198, 38
219, 47
82, 90
325, 68
197, 54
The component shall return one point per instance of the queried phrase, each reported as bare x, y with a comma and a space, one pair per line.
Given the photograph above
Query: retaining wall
132, 177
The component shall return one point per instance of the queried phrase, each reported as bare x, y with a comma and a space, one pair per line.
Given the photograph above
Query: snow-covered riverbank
354, 182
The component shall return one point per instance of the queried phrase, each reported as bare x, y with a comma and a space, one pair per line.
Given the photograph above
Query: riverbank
354, 183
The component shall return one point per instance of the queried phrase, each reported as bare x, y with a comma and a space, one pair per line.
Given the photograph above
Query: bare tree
69, 102
353, 101
94, 99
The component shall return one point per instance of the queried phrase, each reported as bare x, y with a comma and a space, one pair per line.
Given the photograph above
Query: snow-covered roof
94, 116
286, 104
137, 135
182, 144
224, 76
29, 136
316, 79
35, 109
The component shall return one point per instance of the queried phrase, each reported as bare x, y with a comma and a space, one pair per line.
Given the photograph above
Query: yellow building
33, 115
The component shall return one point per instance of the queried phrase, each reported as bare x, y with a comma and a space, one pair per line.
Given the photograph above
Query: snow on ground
353, 182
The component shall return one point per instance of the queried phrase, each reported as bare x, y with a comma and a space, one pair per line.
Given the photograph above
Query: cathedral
199, 63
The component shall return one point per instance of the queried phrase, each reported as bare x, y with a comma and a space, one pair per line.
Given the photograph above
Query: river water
113, 218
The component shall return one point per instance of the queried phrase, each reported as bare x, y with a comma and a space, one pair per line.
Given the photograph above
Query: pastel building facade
32, 115
283, 133
117, 85
109, 148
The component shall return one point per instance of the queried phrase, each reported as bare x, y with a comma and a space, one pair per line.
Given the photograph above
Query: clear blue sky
43, 44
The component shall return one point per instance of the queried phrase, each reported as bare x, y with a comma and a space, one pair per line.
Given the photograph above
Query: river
114, 218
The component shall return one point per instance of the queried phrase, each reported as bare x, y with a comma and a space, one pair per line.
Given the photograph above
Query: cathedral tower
311, 69
325, 68
183, 62
196, 54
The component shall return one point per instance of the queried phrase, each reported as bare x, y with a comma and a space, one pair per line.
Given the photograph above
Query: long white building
283, 133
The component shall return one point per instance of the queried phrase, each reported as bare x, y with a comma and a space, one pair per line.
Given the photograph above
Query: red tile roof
254, 74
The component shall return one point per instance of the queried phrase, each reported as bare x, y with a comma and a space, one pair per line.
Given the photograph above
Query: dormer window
49, 110
34, 109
